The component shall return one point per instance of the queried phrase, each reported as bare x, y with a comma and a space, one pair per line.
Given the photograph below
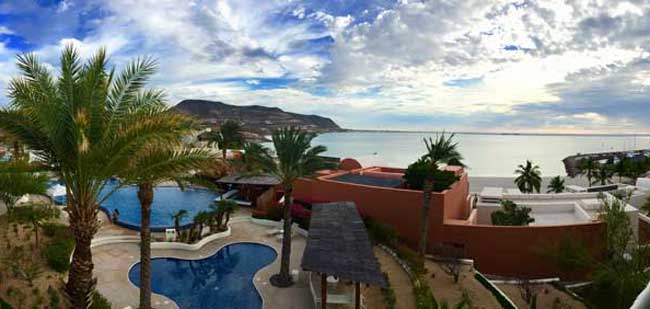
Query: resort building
460, 220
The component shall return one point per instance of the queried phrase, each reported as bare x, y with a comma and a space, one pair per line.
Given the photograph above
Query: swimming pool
167, 201
223, 280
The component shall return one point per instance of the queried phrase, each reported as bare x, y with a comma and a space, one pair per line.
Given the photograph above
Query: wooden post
323, 291
357, 295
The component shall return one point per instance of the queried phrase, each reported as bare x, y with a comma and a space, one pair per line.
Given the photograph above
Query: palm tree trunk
83, 224
424, 226
145, 195
283, 279
224, 152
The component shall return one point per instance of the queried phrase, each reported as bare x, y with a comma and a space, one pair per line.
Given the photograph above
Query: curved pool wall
222, 280
167, 200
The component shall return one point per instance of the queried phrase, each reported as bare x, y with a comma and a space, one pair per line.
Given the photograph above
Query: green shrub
57, 254
4, 304
423, 297
412, 258
511, 214
380, 233
100, 302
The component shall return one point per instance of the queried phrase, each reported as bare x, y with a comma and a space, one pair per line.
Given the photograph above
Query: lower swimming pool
167, 201
223, 280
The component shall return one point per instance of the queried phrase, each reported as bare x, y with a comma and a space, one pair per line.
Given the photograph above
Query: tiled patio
113, 261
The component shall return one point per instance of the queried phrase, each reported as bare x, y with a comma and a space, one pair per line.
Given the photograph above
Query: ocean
486, 155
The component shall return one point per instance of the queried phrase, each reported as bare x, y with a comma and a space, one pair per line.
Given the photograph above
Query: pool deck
113, 261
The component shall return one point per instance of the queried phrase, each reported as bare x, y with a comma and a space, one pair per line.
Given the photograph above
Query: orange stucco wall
519, 251
496, 250
399, 208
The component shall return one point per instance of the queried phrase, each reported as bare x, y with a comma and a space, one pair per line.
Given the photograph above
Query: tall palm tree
588, 168
296, 159
441, 150
530, 177
622, 168
229, 136
81, 125
155, 164
556, 185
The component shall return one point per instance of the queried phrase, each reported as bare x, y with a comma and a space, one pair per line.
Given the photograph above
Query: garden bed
547, 296
21, 262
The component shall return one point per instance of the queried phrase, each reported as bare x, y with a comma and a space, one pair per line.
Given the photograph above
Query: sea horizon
491, 133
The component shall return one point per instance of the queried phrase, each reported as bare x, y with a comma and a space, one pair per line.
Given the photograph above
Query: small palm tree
296, 159
622, 168
556, 185
178, 216
529, 179
229, 136
18, 178
588, 168
603, 175
441, 150
36, 215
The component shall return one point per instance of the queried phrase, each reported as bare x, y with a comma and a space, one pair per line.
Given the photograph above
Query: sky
475, 65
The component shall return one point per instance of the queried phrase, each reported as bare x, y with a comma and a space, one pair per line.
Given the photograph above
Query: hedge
57, 254
505, 302
4, 304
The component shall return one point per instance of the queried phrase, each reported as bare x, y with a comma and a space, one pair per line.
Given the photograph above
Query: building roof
338, 245
370, 180
260, 180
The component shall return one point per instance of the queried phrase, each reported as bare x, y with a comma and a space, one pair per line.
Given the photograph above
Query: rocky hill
257, 119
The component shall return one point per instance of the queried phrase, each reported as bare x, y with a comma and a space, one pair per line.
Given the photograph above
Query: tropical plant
81, 125
603, 175
556, 185
229, 136
296, 159
530, 177
588, 167
202, 219
178, 216
18, 178
154, 164
36, 215
622, 168
441, 150
227, 207
511, 214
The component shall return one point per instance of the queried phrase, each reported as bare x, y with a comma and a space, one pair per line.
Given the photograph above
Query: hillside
255, 118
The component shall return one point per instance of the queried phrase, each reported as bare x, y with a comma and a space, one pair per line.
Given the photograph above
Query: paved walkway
112, 263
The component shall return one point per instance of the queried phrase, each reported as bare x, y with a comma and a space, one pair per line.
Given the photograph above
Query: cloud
561, 66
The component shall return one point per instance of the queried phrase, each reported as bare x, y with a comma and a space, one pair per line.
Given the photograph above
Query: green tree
603, 175
556, 185
511, 214
442, 149
36, 215
530, 177
154, 164
588, 167
18, 178
177, 217
296, 158
229, 136
81, 124
622, 168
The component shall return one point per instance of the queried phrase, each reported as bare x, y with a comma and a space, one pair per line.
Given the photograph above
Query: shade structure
338, 245
258, 180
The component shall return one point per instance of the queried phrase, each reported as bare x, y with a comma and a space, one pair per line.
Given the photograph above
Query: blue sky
475, 65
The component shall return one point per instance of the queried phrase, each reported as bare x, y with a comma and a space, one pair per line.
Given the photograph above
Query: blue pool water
223, 280
167, 201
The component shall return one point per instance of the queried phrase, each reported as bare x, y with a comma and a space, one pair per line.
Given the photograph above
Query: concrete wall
518, 251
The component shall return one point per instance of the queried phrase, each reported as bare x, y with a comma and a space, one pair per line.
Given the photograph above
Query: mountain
254, 118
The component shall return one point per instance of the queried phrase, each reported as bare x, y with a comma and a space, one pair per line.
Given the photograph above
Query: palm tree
296, 159
153, 165
81, 125
603, 175
441, 150
622, 168
556, 185
588, 168
228, 137
36, 215
18, 178
529, 179
177, 217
